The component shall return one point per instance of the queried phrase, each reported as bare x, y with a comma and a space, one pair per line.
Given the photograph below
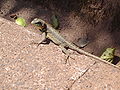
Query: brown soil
96, 19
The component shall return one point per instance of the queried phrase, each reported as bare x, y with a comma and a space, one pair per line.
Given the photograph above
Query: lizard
57, 38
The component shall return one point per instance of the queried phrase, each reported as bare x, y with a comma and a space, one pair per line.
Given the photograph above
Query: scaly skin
54, 35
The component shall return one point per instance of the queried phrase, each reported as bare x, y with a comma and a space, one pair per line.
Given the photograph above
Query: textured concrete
24, 66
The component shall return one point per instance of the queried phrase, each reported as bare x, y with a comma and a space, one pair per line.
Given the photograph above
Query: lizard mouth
41, 27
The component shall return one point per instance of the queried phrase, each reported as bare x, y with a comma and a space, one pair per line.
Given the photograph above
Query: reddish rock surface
24, 66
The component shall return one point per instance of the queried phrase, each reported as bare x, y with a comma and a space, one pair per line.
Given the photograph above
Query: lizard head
40, 24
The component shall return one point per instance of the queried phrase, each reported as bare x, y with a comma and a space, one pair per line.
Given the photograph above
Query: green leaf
55, 21
20, 21
108, 54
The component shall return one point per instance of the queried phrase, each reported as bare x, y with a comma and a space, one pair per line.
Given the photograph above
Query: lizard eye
38, 24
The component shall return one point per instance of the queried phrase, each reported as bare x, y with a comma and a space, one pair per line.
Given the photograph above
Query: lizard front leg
44, 40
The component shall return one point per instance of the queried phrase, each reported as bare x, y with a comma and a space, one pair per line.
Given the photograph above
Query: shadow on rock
116, 60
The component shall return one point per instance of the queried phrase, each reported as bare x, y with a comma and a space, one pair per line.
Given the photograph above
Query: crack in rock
78, 75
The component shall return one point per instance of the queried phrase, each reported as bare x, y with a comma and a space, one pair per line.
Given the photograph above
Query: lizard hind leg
66, 52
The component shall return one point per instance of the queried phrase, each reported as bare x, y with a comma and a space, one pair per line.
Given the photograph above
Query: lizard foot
67, 53
67, 59
45, 41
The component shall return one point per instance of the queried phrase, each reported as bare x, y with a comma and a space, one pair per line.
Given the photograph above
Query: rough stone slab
99, 77
24, 66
